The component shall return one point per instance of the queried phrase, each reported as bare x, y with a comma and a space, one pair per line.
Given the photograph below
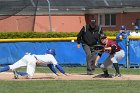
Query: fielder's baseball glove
98, 47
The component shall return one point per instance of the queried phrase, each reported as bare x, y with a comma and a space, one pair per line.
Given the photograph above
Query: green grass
75, 86
97, 71
90, 86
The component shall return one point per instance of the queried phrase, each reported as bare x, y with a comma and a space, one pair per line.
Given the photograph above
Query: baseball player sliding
31, 61
116, 53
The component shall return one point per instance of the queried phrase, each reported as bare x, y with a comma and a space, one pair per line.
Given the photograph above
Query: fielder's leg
104, 67
115, 64
114, 58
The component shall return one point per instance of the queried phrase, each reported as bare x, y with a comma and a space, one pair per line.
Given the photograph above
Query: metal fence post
50, 21
127, 55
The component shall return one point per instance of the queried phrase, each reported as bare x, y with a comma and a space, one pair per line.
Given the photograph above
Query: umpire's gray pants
90, 57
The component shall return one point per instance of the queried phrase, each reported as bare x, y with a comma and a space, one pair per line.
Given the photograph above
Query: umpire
89, 36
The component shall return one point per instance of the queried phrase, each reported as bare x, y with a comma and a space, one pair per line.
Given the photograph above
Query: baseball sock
60, 69
6, 68
116, 68
51, 66
22, 73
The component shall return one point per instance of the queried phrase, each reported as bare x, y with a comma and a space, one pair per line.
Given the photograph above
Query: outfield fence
11, 50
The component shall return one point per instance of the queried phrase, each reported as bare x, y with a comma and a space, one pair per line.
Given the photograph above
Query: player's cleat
15, 74
106, 76
118, 75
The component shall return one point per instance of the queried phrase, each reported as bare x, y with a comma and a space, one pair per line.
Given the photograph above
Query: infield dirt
72, 76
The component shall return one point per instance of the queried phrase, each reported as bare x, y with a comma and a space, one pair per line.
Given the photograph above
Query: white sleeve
131, 33
53, 60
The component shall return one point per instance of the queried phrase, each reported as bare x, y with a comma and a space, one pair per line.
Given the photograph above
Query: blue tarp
66, 51
134, 52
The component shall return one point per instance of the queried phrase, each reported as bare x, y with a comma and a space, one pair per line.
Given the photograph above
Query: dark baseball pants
90, 58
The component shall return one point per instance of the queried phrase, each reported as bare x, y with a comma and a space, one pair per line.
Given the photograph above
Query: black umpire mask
93, 23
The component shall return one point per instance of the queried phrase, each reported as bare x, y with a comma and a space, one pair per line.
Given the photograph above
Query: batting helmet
136, 28
123, 27
51, 51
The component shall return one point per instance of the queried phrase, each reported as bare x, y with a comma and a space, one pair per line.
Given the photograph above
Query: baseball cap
122, 27
136, 28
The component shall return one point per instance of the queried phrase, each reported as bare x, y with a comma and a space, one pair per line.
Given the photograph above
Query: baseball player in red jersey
116, 53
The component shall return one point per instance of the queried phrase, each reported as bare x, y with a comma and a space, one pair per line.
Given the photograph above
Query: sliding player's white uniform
31, 60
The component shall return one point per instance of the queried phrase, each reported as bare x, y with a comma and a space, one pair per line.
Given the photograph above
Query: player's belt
119, 50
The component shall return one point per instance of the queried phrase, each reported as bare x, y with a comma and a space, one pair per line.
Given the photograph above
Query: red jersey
111, 43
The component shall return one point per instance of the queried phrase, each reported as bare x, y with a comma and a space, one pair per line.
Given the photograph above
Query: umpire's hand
78, 45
